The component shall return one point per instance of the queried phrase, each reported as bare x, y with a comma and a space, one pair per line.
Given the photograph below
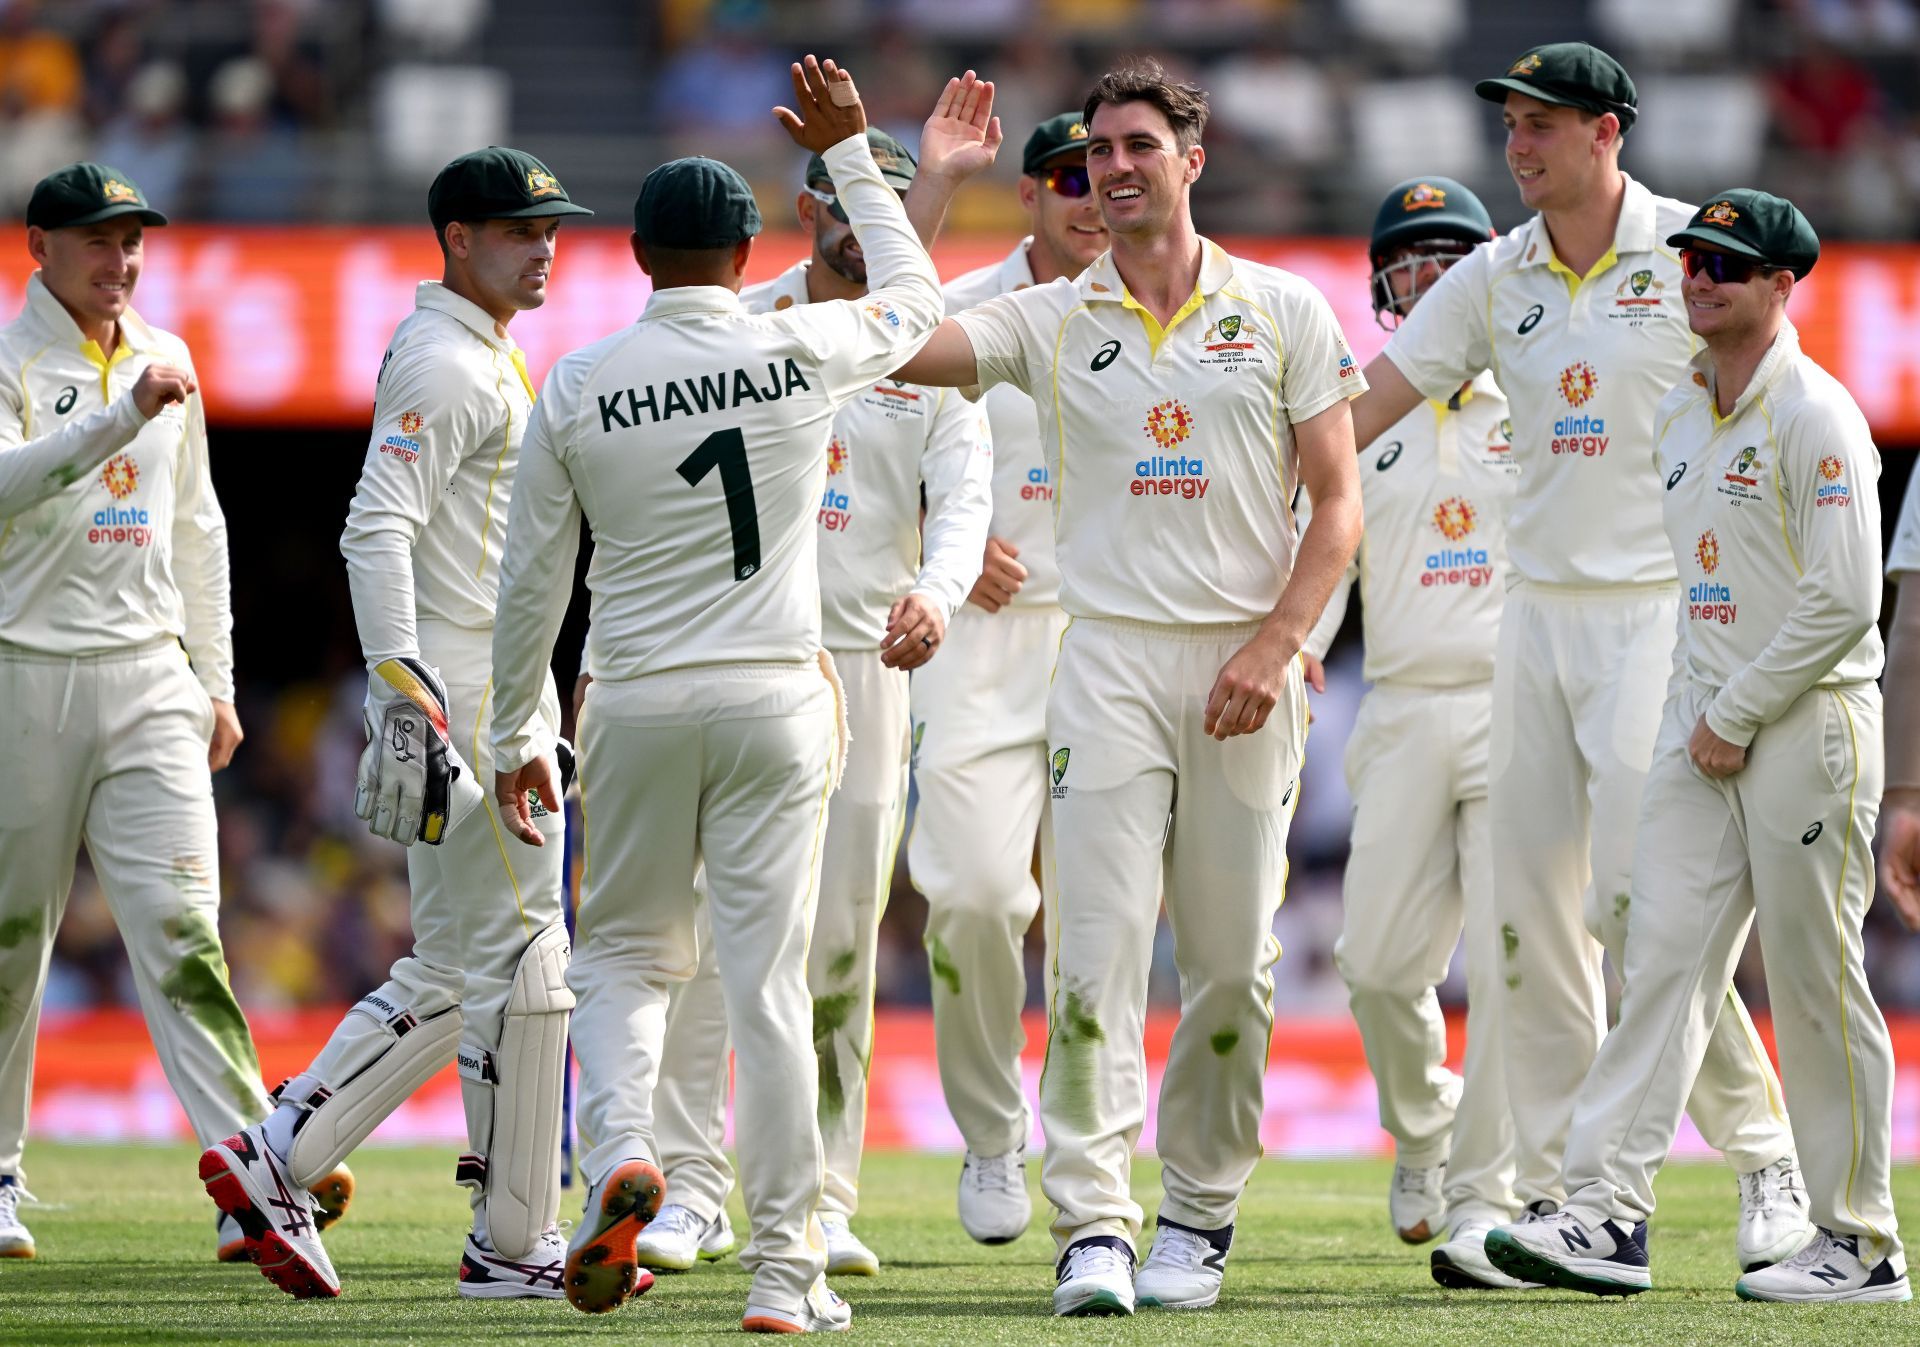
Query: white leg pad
512, 1094
389, 1052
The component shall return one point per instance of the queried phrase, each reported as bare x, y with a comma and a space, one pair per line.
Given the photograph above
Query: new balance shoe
1774, 1224
994, 1206
1184, 1268
676, 1239
1094, 1276
1416, 1203
1559, 1250
847, 1256
278, 1219
1461, 1263
601, 1271
821, 1312
16, 1241
1831, 1267
486, 1275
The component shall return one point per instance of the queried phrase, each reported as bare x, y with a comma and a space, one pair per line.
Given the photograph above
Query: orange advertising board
288, 324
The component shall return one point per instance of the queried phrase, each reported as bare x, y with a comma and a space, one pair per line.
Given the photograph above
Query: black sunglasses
1069, 180
1722, 268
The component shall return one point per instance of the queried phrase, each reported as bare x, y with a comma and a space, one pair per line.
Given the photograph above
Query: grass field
126, 1255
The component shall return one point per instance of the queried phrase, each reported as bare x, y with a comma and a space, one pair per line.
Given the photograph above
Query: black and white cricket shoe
1560, 1250
1832, 1267
278, 1218
486, 1275
1094, 1276
1184, 1269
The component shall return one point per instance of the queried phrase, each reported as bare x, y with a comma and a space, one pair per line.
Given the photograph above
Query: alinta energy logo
836, 456
1706, 600
120, 476
1168, 425
130, 524
836, 507
1832, 491
1454, 518
1585, 435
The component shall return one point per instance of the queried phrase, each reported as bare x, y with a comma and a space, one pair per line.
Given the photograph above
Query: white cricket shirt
1583, 361
695, 443
1774, 515
1022, 481
110, 533
886, 442
429, 518
1432, 564
1903, 557
1171, 450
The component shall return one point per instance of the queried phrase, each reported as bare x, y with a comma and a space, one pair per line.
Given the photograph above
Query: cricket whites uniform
980, 764
695, 442
423, 542
1585, 648
1172, 457
1903, 555
886, 442
1774, 516
1432, 571
114, 643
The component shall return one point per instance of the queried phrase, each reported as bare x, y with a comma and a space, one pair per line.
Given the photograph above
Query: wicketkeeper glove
411, 785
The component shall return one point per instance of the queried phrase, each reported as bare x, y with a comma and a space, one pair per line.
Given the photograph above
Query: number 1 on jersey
727, 451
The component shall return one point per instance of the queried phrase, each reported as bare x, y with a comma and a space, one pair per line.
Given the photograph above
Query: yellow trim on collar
1157, 335
1609, 258
98, 359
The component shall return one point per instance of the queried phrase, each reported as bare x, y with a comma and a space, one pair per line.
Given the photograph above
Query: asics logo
1105, 356
66, 401
1389, 456
1812, 835
1532, 320
1673, 478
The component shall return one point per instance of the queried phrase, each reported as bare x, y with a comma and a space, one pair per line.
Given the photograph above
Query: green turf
126, 1255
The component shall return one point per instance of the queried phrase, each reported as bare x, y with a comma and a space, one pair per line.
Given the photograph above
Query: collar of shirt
135, 336
691, 299
1101, 282
782, 292
1784, 351
435, 296
1634, 233
1016, 269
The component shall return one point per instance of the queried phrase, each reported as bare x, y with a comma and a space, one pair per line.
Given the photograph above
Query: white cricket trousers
1140, 795
730, 765
111, 750
1578, 685
1787, 841
477, 899
1420, 870
980, 763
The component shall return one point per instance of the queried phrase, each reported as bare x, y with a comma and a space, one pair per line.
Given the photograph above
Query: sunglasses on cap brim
832, 202
1724, 268
1068, 180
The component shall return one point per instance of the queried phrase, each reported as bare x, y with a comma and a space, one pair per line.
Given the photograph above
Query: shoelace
1095, 1260
1177, 1248
997, 1171
1817, 1251
11, 1196
1411, 1180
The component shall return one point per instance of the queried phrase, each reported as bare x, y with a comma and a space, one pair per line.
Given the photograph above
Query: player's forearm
1903, 688
202, 574
38, 469
1389, 397
899, 271
926, 204
1820, 631
1326, 548
380, 580
536, 580
1320, 639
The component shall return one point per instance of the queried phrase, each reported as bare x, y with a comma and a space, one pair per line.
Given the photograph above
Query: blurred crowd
251, 110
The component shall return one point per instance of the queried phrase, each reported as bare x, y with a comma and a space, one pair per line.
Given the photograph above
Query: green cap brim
1720, 241
1496, 91
1071, 147
147, 214
540, 210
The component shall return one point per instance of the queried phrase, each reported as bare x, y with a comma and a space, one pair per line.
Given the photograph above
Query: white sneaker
821, 1312
601, 1272
486, 1275
331, 1198
1560, 1250
1461, 1263
1774, 1224
1095, 1277
846, 1255
994, 1206
278, 1218
1184, 1268
1831, 1267
676, 1239
1415, 1202
16, 1241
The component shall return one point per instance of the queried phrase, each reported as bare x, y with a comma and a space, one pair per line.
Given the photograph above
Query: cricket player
695, 444
1432, 571
890, 444
980, 732
1190, 394
1764, 790
116, 667
1578, 315
1900, 817
485, 985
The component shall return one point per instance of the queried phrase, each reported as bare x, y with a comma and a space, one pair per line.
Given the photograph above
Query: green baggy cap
84, 194
695, 203
497, 184
1754, 224
1572, 74
1053, 137
896, 162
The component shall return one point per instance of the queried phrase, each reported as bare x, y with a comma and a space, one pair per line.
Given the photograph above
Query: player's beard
850, 266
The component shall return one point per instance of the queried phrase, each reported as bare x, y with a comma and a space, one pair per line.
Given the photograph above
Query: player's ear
639, 252
804, 206
1029, 191
1196, 160
741, 252
37, 244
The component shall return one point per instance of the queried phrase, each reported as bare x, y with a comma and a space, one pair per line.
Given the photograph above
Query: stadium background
292, 141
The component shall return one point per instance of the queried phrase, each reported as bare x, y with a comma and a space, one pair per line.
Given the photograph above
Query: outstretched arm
959, 140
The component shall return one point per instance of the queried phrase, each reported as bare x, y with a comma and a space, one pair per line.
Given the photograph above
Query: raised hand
159, 385
962, 136
821, 122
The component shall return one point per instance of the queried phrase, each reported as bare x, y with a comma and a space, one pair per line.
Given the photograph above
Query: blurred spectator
434, 27
1283, 104
41, 91
256, 169
298, 82
114, 57
1823, 101
725, 81
1862, 24
149, 140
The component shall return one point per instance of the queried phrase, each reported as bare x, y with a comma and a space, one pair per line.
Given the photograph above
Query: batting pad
512, 1095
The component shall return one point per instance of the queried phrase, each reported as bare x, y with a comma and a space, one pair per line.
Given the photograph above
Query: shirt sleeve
1445, 341
1837, 553
857, 341
1316, 369
536, 580
1000, 331
426, 419
957, 470
1904, 556
200, 569
33, 470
